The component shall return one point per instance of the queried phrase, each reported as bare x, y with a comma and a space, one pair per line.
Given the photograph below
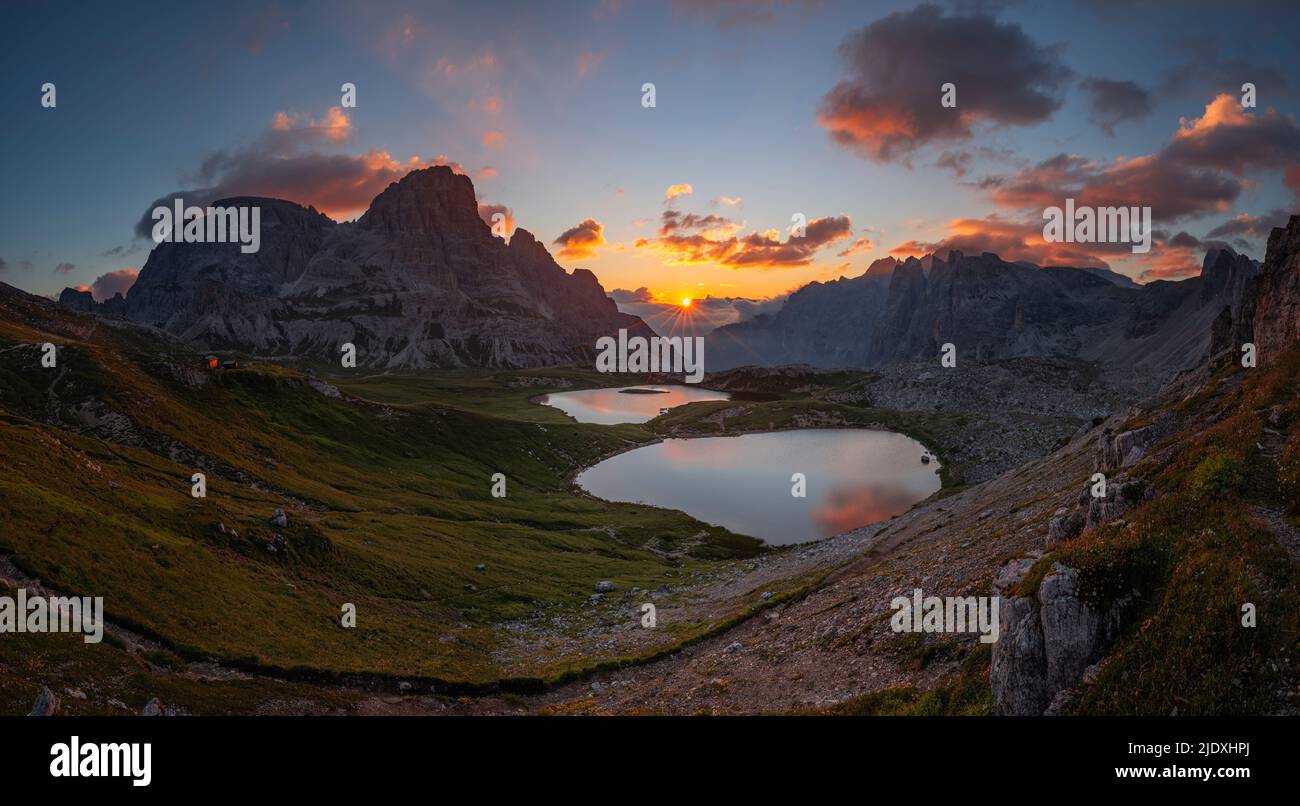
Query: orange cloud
579, 242
690, 239
335, 127
493, 138
673, 191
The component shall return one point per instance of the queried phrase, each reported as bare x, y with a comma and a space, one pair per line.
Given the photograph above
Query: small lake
854, 477
627, 404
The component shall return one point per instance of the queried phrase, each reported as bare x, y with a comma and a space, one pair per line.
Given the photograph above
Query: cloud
285, 163
860, 245
1291, 178
579, 242
710, 224
1206, 72
1115, 102
1012, 240
113, 282
727, 201
622, 295
674, 191
493, 138
588, 61
684, 246
1198, 171
890, 106
1245, 225
65, 268
1228, 138
3, 265
334, 127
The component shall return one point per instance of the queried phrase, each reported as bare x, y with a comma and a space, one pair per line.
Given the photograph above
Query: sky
764, 110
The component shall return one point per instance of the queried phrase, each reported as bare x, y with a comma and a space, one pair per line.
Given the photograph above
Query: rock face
418, 281
1046, 643
1269, 312
990, 309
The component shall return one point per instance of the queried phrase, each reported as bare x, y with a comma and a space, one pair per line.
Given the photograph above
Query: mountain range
989, 309
419, 280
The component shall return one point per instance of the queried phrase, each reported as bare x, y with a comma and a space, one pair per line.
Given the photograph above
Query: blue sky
148, 92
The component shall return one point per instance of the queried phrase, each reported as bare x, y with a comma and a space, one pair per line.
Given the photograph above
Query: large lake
627, 404
854, 477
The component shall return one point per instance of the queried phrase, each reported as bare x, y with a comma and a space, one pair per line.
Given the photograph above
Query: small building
212, 362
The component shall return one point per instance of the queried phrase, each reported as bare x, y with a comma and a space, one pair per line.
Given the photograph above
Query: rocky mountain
418, 281
1268, 311
990, 309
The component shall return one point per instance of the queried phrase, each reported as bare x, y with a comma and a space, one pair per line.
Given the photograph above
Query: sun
686, 302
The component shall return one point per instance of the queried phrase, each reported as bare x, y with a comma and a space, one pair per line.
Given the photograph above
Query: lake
853, 477
621, 405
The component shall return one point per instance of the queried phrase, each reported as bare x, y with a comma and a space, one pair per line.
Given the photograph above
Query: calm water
612, 406
854, 477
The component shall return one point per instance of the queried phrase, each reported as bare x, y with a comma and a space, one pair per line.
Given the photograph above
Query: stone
46, 703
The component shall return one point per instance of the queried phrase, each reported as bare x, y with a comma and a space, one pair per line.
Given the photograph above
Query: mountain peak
427, 200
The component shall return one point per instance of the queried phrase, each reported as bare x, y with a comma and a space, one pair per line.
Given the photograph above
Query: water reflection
853, 477
627, 404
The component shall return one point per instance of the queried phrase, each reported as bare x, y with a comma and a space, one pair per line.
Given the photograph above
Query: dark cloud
890, 106
286, 162
1232, 139
1248, 226
3, 264
1114, 102
757, 250
674, 221
1207, 72
956, 161
622, 295
113, 282
65, 268
1199, 171
579, 242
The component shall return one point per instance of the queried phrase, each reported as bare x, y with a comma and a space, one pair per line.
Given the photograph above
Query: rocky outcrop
1047, 641
1269, 312
418, 281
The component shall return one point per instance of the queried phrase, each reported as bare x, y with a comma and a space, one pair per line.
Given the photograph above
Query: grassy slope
388, 498
390, 509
